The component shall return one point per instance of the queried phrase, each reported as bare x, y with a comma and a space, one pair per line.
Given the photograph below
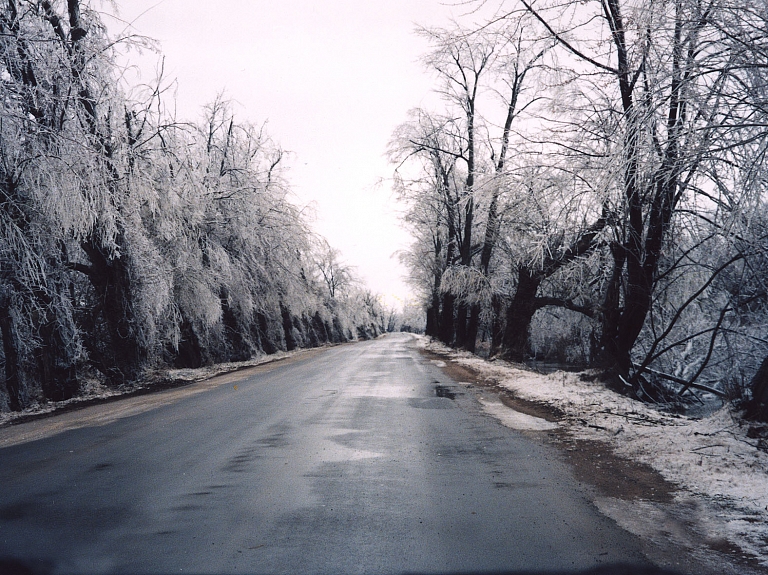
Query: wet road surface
362, 458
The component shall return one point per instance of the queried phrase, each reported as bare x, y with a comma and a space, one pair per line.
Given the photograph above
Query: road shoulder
681, 529
163, 389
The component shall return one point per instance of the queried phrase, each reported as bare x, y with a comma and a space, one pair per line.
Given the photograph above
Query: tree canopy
130, 240
596, 166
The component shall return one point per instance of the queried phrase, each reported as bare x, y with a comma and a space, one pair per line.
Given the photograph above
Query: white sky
333, 78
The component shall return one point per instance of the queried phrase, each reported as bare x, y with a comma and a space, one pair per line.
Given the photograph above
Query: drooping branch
541, 302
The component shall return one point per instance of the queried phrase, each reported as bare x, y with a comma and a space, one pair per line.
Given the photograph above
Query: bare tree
671, 70
337, 276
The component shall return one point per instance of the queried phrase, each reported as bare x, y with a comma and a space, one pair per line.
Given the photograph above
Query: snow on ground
711, 458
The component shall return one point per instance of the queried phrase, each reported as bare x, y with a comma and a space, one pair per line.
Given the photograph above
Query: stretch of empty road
352, 459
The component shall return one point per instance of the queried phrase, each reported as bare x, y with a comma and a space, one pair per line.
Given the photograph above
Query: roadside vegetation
131, 240
592, 191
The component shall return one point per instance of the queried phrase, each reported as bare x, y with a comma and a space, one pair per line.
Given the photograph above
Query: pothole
443, 391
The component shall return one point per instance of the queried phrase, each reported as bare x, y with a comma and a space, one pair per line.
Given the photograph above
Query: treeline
592, 190
129, 240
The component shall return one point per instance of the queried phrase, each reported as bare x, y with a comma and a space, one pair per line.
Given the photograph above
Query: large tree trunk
265, 342
473, 326
240, 348
497, 328
446, 319
433, 312
520, 313
290, 341
58, 373
757, 407
190, 352
17, 399
608, 353
462, 339
111, 280
320, 330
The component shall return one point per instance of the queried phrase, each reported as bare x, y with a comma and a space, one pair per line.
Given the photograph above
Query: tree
44, 152
335, 274
490, 64
131, 240
462, 60
550, 230
518, 59
436, 196
671, 74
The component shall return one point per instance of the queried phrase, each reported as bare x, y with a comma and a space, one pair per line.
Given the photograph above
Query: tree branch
567, 44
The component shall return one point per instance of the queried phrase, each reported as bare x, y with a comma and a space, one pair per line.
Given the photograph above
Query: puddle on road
443, 391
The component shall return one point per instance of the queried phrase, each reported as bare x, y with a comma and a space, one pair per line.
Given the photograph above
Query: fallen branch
709, 446
684, 383
587, 424
639, 419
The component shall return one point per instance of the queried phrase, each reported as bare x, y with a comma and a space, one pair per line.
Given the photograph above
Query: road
353, 459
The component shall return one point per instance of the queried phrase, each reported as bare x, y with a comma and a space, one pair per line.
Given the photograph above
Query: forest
131, 240
591, 190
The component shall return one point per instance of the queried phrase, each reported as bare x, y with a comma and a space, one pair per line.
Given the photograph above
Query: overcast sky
333, 78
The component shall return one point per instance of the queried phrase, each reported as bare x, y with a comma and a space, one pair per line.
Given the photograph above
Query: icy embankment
710, 459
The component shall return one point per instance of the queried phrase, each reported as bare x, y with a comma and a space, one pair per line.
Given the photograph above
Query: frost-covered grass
709, 458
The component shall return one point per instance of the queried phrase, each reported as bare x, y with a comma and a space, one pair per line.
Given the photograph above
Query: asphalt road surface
353, 459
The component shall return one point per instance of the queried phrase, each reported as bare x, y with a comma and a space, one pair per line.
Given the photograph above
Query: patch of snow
515, 419
709, 458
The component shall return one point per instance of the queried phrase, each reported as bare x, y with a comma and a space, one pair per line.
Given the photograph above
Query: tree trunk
17, 399
608, 353
111, 280
462, 339
446, 319
266, 343
757, 407
433, 311
58, 373
290, 341
338, 330
473, 326
190, 353
319, 326
239, 347
520, 313
497, 329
